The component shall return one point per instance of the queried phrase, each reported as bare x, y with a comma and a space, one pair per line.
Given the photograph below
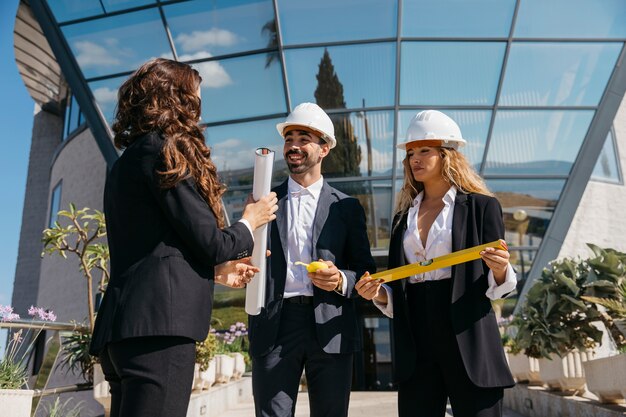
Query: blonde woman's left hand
497, 260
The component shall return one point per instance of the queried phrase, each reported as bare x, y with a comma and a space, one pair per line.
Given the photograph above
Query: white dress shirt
302, 205
438, 243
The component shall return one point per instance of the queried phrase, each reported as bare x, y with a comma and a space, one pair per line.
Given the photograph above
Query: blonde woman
446, 340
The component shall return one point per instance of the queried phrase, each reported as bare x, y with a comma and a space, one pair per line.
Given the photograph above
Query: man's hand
326, 279
370, 289
235, 274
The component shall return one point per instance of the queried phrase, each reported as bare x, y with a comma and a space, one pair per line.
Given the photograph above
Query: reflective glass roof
523, 79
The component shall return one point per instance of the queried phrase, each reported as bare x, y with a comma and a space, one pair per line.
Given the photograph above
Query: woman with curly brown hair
446, 340
168, 243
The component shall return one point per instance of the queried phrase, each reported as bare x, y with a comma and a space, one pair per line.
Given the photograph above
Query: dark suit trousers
149, 376
439, 371
276, 376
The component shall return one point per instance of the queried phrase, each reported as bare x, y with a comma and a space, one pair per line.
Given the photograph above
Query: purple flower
238, 333
232, 328
42, 314
7, 314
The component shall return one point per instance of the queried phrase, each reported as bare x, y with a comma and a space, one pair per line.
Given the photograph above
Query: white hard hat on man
432, 128
311, 118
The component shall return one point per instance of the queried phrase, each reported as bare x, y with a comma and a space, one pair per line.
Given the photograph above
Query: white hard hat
430, 126
311, 116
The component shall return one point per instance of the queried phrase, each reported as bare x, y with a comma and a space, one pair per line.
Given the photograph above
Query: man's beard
303, 166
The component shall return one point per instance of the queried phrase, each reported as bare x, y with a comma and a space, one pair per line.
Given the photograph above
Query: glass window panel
233, 146
571, 19
607, 166
450, 73
478, 18
536, 141
474, 126
73, 117
202, 29
527, 207
332, 21
118, 43
55, 204
234, 202
241, 87
65, 10
364, 145
117, 5
105, 93
353, 75
375, 197
558, 74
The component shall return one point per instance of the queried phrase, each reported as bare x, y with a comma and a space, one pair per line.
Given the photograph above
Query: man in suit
309, 321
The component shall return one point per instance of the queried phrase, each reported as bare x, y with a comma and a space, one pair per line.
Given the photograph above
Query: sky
16, 121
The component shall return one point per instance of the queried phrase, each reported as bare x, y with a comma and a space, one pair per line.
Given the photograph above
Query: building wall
600, 217
82, 169
46, 137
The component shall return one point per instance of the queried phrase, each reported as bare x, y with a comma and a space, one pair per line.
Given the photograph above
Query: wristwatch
339, 288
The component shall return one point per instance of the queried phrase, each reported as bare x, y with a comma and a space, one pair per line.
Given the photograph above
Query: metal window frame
73, 76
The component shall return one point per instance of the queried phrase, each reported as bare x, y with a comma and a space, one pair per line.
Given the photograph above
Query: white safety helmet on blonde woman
432, 128
309, 117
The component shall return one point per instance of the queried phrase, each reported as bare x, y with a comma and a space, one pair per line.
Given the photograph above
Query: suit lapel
459, 221
281, 215
459, 228
321, 214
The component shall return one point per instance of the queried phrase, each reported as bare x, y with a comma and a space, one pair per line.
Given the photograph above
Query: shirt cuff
344, 283
496, 291
386, 309
247, 224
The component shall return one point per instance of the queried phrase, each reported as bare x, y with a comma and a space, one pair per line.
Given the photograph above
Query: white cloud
231, 154
105, 95
213, 73
89, 54
381, 160
198, 40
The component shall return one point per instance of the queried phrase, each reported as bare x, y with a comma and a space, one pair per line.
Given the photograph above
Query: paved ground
362, 404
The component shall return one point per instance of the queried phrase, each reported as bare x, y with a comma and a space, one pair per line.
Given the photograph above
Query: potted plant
555, 325
15, 397
606, 377
523, 368
81, 233
205, 369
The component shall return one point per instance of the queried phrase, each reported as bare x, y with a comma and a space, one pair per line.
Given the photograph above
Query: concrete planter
240, 365
606, 378
524, 369
202, 380
225, 367
16, 402
565, 374
101, 391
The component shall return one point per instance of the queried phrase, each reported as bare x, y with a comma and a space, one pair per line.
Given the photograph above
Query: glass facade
524, 80
55, 204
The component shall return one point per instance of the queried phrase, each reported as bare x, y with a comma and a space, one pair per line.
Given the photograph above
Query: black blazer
164, 245
477, 220
339, 235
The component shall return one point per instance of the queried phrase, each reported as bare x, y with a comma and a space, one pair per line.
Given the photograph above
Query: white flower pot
101, 391
240, 365
606, 378
16, 402
524, 368
208, 376
565, 374
225, 368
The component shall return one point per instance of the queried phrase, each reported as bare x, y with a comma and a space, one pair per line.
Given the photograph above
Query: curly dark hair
161, 96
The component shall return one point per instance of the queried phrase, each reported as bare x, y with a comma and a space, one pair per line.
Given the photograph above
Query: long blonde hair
455, 169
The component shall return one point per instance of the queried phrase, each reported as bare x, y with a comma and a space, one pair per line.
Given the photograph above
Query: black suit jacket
164, 245
477, 220
339, 235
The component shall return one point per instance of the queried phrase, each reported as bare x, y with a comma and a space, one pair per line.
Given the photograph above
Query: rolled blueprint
261, 186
